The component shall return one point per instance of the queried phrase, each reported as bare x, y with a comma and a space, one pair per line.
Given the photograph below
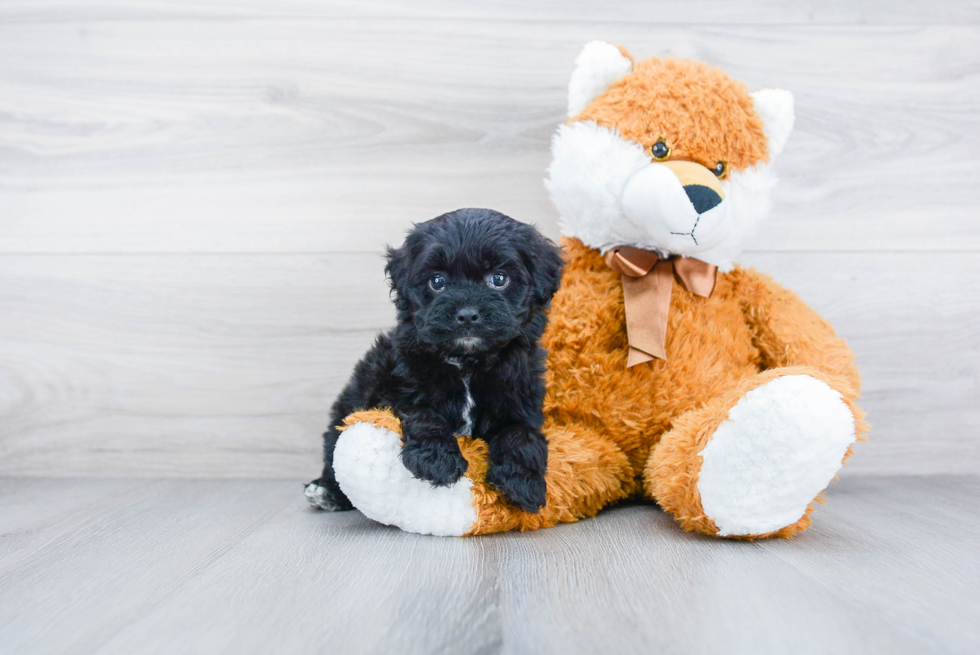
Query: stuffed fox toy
673, 375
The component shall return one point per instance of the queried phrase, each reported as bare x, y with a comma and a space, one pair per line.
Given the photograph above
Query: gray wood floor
207, 566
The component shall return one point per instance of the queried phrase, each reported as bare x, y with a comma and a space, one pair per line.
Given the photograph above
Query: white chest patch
466, 430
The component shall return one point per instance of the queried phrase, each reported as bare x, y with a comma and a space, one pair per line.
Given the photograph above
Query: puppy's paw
519, 459
520, 487
324, 494
440, 462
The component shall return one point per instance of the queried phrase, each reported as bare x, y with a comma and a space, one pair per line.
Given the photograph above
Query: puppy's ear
396, 270
545, 263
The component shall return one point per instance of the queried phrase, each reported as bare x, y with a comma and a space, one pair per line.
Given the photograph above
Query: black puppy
471, 288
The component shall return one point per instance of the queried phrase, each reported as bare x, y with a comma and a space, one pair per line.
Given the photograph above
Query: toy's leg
752, 462
584, 474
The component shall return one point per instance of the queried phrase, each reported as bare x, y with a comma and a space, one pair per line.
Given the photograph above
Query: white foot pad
371, 474
781, 446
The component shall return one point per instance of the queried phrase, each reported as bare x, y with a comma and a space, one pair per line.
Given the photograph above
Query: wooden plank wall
194, 197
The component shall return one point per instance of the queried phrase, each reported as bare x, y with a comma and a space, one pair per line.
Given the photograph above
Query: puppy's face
470, 281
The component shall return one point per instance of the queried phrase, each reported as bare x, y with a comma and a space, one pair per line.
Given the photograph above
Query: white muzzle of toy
680, 205
609, 193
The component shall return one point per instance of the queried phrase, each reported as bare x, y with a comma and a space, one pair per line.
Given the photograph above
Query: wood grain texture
225, 365
863, 12
193, 365
193, 196
211, 134
149, 540
890, 566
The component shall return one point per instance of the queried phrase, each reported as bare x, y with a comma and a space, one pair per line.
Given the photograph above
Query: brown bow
647, 281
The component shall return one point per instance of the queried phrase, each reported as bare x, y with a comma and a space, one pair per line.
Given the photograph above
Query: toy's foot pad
371, 474
780, 447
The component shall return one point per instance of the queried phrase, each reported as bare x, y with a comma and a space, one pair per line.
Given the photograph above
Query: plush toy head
667, 155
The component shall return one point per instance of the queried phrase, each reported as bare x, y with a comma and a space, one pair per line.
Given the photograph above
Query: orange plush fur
704, 115
616, 432
604, 420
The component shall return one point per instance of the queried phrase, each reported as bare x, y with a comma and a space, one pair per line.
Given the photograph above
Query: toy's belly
709, 346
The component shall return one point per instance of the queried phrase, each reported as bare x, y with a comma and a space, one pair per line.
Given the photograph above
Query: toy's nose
703, 198
702, 187
468, 316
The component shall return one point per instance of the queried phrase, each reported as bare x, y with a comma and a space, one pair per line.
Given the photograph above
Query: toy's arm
788, 333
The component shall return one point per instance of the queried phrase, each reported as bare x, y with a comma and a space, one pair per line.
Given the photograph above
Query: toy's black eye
437, 282
660, 150
497, 281
719, 169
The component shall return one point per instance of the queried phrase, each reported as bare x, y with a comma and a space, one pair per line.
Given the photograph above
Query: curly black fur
471, 335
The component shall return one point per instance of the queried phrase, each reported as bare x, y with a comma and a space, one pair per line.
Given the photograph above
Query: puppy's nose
702, 197
468, 316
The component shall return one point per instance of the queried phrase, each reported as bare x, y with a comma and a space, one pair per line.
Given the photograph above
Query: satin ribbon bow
647, 281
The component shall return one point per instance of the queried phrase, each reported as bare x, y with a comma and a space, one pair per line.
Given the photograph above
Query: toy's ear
596, 68
775, 107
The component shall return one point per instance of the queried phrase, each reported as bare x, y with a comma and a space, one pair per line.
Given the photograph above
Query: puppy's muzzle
468, 316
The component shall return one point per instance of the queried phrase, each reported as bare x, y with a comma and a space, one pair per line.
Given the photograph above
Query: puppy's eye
660, 150
719, 169
437, 282
497, 280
